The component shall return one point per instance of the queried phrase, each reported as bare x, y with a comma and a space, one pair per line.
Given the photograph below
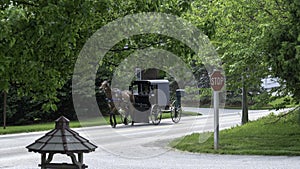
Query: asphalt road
145, 146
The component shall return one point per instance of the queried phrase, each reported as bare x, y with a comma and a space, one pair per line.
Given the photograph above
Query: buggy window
153, 90
144, 89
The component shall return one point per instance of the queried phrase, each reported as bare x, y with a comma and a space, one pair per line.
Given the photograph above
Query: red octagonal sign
217, 80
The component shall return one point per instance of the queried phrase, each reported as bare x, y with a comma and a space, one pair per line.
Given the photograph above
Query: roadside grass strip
73, 124
50, 126
270, 135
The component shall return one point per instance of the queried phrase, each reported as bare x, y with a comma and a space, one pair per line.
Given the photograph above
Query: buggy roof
151, 82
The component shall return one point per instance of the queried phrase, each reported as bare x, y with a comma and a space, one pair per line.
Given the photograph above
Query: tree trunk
4, 110
245, 118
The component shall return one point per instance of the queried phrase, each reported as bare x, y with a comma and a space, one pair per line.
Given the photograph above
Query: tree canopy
256, 39
40, 42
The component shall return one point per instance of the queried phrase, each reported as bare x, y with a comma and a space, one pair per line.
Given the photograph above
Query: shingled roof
62, 140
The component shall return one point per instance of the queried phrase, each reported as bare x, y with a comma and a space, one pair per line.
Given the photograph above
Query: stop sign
217, 80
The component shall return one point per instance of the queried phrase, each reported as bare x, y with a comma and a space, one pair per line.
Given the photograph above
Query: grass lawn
43, 127
73, 124
266, 136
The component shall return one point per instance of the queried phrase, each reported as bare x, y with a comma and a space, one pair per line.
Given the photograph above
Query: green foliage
260, 100
282, 102
39, 48
40, 42
281, 42
233, 30
256, 39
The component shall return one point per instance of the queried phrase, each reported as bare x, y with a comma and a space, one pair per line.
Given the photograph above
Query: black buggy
152, 98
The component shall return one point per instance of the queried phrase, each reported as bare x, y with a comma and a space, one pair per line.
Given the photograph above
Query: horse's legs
125, 108
115, 121
130, 113
125, 120
112, 119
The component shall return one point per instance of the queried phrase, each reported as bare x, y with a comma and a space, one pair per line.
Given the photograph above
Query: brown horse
117, 100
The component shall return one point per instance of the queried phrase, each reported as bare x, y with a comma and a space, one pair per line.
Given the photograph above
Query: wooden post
43, 161
4, 109
80, 158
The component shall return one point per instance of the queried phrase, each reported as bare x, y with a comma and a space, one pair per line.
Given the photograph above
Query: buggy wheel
155, 114
176, 112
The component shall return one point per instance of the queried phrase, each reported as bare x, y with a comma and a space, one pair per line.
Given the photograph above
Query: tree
281, 44
4, 110
40, 42
232, 27
252, 37
39, 47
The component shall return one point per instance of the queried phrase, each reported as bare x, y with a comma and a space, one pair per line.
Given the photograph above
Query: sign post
217, 81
